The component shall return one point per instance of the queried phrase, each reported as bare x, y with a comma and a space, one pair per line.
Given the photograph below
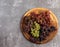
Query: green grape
35, 30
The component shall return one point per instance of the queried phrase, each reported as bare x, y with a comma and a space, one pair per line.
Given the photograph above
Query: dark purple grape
52, 28
47, 33
41, 38
32, 39
26, 28
26, 19
48, 29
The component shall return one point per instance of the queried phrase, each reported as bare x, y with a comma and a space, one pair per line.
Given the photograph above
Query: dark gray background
11, 12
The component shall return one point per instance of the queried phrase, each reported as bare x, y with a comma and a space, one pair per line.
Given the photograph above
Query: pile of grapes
43, 19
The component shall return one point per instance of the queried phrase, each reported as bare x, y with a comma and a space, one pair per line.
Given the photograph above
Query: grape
41, 37
52, 28
26, 19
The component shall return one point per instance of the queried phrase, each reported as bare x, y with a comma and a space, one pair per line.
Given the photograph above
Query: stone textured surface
11, 12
